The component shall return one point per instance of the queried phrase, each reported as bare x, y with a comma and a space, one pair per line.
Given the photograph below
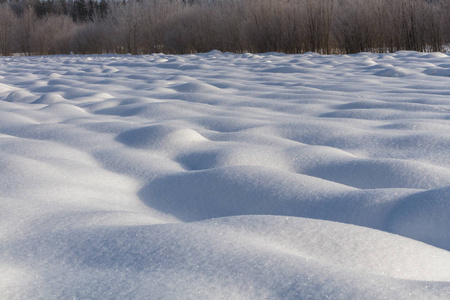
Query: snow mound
21, 96
196, 87
161, 136
15, 119
377, 173
233, 156
240, 257
438, 72
424, 217
237, 190
49, 98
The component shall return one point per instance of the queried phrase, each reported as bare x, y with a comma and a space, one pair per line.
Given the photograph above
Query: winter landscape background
239, 26
219, 175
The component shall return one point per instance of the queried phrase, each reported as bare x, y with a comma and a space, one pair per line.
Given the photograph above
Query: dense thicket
177, 26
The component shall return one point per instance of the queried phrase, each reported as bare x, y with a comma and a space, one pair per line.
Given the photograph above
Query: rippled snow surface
219, 175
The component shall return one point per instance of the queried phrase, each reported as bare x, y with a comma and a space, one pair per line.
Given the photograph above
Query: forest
41, 27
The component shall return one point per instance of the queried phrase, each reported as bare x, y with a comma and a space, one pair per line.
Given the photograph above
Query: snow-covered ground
228, 176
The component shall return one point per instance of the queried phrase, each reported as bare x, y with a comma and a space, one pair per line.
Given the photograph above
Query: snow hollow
219, 175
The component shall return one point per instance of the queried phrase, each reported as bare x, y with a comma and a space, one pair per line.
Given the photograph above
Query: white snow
219, 175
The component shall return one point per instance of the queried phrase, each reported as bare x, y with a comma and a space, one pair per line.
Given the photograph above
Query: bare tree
6, 22
24, 30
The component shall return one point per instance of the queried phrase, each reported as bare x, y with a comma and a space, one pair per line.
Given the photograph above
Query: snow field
223, 175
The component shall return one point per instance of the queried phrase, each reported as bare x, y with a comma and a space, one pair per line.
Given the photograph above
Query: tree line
187, 26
